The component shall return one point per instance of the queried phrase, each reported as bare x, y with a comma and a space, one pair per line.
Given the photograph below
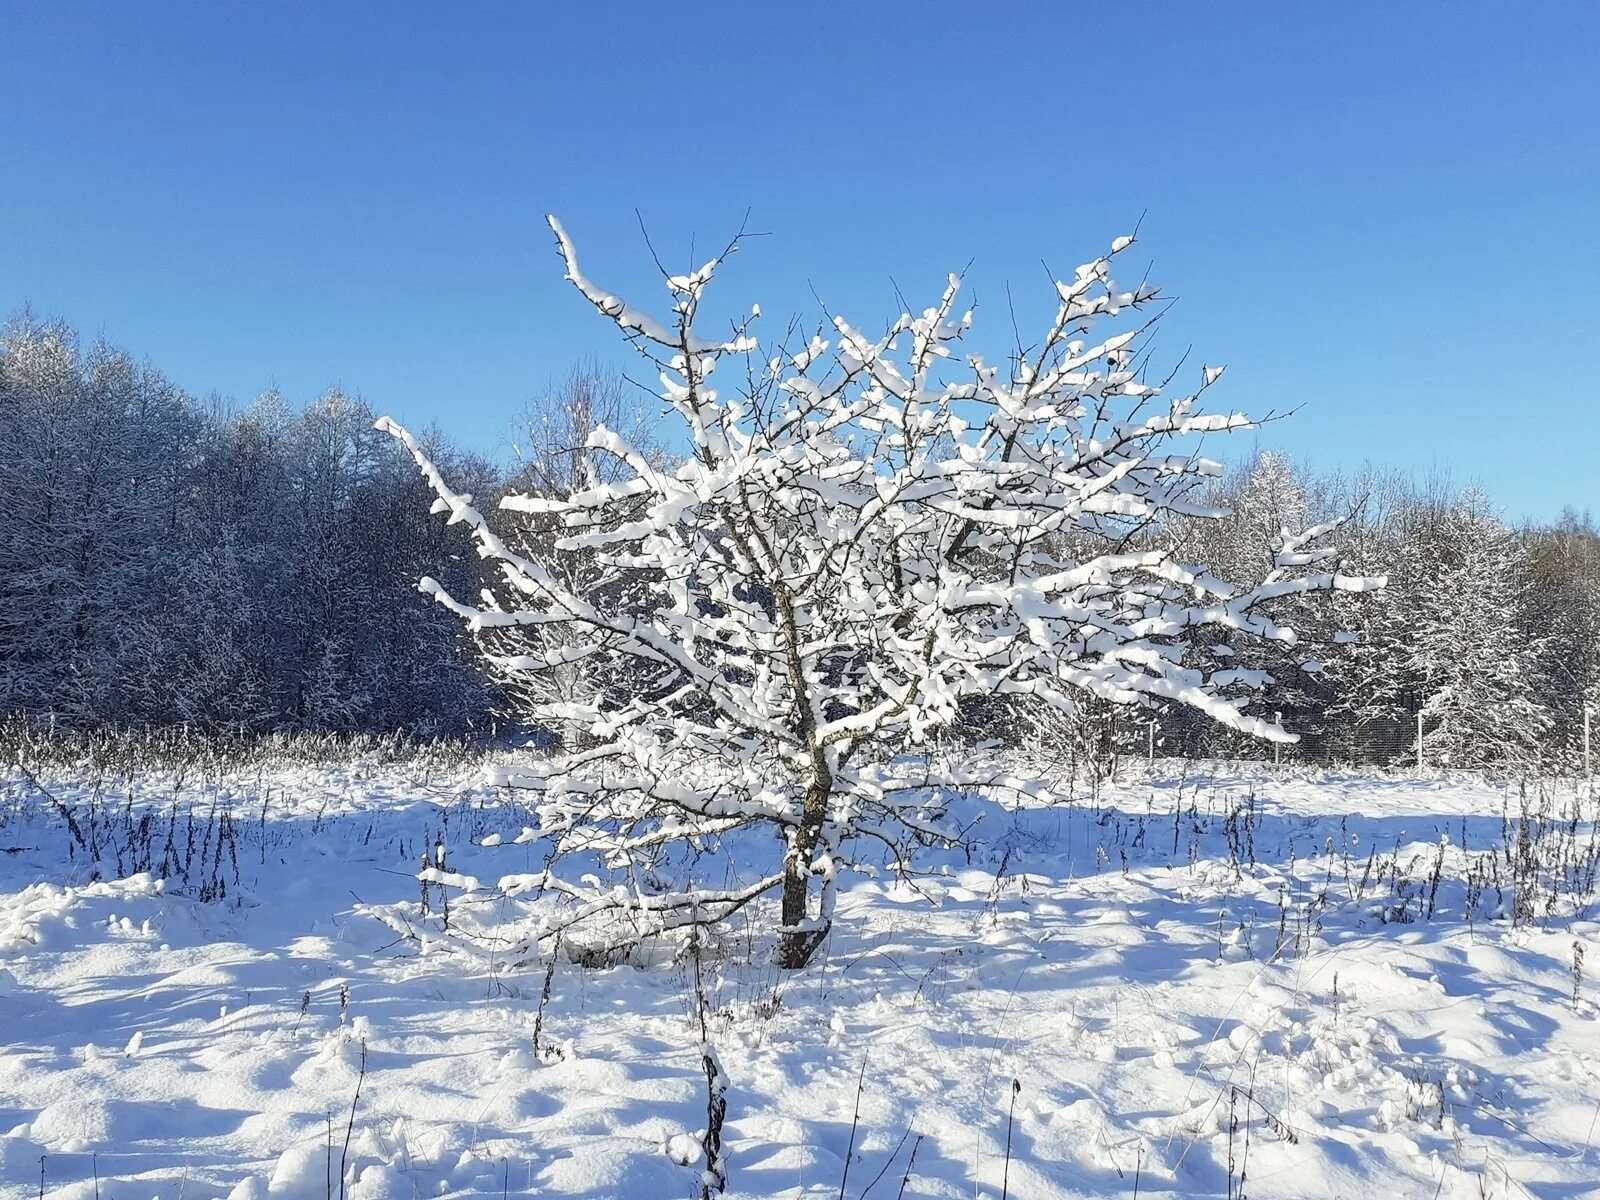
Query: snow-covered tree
1369, 710
1471, 651
554, 460
1564, 614
93, 449
163, 562
1265, 498
867, 529
1454, 639
553, 457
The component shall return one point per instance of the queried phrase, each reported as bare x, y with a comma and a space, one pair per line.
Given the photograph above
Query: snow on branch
867, 533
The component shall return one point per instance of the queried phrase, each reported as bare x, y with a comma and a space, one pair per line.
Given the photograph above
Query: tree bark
797, 945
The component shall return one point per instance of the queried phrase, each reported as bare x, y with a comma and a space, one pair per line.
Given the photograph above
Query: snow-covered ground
1189, 980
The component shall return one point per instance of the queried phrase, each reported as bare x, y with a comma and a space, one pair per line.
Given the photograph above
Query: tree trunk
797, 945
794, 945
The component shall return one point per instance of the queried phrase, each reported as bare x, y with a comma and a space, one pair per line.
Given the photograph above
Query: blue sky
1382, 214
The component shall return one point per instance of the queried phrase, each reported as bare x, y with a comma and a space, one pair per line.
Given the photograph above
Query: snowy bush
866, 532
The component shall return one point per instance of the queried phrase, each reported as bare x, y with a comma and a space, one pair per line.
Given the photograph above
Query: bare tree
551, 444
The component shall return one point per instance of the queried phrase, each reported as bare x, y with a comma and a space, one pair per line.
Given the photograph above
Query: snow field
1190, 981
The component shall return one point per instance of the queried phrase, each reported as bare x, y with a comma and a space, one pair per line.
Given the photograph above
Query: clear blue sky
1386, 214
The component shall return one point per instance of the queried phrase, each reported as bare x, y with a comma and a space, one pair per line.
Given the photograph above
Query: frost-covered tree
1564, 614
1453, 639
866, 531
1369, 715
93, 453
166, 562
1266, 498
554, 460
1472, 652
551, 442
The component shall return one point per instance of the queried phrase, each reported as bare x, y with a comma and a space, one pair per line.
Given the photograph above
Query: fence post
1152, 732
1419, 741
1277, 747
